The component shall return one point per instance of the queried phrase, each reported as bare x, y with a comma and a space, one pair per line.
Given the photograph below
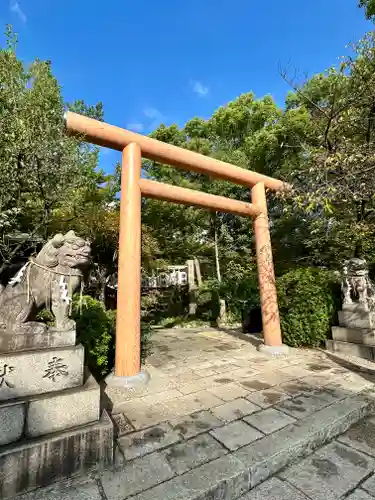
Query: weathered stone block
64, 410
43, 461
349, 349
19, 341
12, 422
38, 372
355, 335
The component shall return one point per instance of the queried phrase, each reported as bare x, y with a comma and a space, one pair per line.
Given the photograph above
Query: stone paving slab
359, 495
197, 423
228, 392
142, 415
236, 434
361, 436
269, 420
274, 489
268, 397
190, 454
136, 476
330, 472
140, 443
225, 478
233, 410
301, 406
369, 485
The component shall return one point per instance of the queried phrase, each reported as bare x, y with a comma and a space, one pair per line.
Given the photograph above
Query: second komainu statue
357, 288
47, 281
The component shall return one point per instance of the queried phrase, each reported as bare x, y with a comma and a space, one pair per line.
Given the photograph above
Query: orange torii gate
133, 187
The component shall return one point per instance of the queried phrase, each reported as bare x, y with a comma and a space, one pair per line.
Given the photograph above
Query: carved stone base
37, 372
351, 349
19, 341
354, 335
39, 415
42, 461
356, 316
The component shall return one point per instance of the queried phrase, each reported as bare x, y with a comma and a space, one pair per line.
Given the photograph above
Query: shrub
95, 331
239, 289
308, 302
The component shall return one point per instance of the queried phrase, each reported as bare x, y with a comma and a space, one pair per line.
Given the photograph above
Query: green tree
42, 170
334, 182
369, 6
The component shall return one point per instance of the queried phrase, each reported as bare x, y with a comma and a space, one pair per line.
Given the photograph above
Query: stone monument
50, 421
355, 334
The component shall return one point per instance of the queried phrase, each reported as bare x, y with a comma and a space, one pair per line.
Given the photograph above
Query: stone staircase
356, 334
50, 421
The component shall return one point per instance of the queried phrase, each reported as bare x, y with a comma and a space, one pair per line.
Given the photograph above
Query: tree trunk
222, 306
192, 289
217, 261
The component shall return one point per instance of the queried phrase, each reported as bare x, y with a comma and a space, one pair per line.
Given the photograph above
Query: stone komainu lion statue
356, 285
49, 280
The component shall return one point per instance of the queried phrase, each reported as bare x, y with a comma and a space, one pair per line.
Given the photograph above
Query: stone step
28, 373
36, 416
45, 460
351, 349
355, 335
234, 474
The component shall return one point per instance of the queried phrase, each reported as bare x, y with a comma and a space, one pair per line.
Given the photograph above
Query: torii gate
133, 187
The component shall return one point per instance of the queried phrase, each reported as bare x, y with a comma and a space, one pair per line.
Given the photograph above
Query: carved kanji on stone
56, 369
4, 371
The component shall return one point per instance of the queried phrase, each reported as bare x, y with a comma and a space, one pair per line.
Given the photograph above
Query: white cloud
15, 7
136, 127
155, 115
199, 88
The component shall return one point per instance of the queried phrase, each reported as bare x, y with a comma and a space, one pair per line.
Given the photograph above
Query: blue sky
167, 61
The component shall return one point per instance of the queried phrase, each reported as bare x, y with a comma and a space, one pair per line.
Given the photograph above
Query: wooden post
266, 274
128, 335
198, 271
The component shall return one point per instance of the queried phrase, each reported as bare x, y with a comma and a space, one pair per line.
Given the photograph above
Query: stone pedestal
50, 421
355, 335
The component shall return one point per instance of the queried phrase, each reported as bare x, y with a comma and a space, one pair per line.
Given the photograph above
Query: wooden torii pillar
133, 146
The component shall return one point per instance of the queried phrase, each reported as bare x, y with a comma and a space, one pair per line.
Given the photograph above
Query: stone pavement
219, 419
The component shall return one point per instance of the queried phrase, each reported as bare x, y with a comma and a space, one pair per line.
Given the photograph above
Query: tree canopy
321, 140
